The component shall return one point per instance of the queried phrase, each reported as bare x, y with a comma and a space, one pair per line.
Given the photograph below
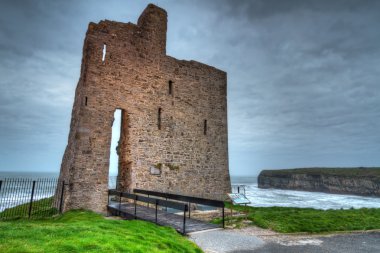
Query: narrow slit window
170, 87
104, 52
159, 119
205, 127
85, 101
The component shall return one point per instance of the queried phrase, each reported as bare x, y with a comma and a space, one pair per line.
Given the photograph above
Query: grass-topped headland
356, 181
85, 231
348, 172
292, 220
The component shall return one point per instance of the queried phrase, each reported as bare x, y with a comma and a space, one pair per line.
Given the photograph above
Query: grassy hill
84, 231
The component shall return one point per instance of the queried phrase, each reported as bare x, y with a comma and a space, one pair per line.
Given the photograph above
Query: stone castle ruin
174, 117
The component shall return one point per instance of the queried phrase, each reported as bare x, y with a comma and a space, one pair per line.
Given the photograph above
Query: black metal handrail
184, 198
239, 188
150, 200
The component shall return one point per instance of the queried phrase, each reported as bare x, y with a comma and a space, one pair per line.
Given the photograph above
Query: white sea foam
317, 200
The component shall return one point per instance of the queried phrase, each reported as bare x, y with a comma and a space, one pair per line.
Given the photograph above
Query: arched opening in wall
115, 150
120, 156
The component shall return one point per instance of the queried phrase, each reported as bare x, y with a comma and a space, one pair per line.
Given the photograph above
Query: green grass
292, 220
85, 231
40, 208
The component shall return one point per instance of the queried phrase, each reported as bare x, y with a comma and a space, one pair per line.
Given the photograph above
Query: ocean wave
318, 200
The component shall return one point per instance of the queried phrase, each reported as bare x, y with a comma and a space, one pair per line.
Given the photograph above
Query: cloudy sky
303, 76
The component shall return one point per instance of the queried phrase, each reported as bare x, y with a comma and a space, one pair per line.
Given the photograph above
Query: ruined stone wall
190, 153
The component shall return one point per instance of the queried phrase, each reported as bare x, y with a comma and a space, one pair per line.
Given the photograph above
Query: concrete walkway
255, 240
225, 240
347, 243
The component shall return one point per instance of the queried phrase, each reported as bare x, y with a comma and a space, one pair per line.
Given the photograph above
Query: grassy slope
83, 231
40, 208
291, 220
349, 172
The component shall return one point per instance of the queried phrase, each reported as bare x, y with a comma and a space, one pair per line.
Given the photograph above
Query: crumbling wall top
151, 15
150, 30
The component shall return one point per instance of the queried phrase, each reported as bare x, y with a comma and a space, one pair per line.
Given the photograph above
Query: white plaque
155, 171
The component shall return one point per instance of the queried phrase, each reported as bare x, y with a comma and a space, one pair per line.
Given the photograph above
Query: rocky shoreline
355, 181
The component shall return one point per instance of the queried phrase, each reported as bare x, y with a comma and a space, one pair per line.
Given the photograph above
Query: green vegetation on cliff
84, 231
292, 220
40, 208
348, 172
357, 181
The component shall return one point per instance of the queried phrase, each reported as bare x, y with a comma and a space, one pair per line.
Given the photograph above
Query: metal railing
238, 188
138, 198
187, 199
31, 198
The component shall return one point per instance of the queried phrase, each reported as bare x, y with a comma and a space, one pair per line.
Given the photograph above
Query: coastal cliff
355, 181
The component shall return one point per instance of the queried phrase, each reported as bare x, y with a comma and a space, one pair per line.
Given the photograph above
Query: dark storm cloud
308, 81
257, 9
303, 76
37, 69
27, 26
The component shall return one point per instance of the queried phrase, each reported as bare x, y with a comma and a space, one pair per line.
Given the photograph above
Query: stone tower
174, 117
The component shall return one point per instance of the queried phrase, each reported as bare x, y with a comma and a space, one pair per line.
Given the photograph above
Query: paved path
348, 243
244, 241
225, 241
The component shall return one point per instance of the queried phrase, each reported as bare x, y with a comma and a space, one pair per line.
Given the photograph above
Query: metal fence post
135, 207
223, 216
108, 199
156, 210
31, 198
189, 209
121, 194
61, 200
184, 220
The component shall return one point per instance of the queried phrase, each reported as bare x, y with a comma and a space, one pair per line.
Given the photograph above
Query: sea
16, 187
290, 198
10, 196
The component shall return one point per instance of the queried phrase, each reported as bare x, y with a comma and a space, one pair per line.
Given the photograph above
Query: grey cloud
318, 83
257, 9
303, 76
